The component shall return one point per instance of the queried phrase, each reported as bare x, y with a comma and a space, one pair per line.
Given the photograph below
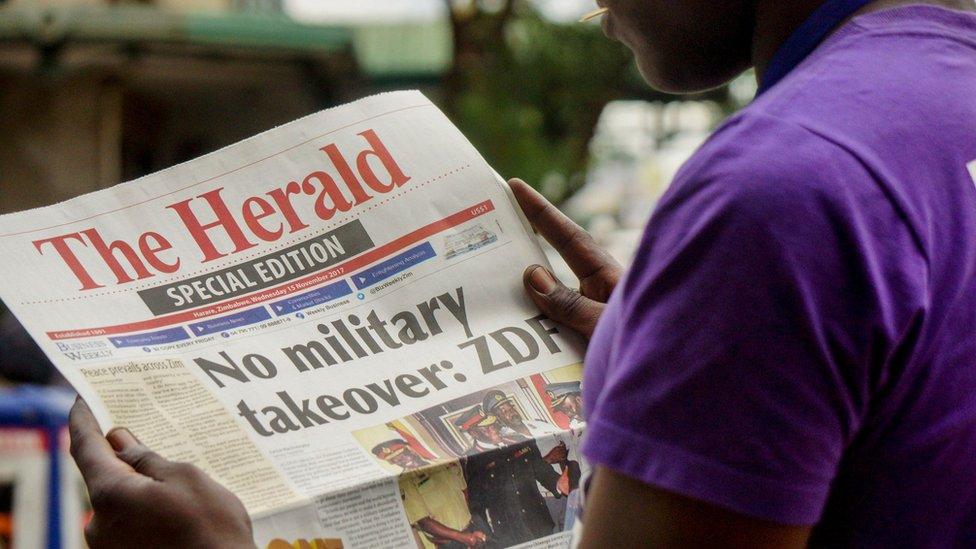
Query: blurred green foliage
528, 92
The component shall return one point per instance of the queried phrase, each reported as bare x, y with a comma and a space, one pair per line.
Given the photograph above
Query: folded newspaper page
328, 318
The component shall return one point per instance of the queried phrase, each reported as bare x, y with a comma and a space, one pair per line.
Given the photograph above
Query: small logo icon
361, 295
300, 315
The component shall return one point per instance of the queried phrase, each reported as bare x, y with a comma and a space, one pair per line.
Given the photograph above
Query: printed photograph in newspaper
500, 466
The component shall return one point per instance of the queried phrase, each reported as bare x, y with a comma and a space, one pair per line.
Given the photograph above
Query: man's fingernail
121, 438
541, 280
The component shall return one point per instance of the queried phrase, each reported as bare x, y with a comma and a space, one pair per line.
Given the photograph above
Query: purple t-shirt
796, 339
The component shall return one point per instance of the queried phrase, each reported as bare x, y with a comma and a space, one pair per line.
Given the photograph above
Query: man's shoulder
887, 81
769, 180
758, 164
877, 121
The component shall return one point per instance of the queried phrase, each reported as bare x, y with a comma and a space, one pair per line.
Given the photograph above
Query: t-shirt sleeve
770, 291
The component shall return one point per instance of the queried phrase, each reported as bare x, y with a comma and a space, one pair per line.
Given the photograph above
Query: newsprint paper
329, 319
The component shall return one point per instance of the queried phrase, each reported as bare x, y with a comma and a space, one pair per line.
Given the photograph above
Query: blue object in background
43, 409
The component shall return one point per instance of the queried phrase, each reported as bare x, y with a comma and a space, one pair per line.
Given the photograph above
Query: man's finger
583, 255
137, 456
94, 455
121, 439
560, 303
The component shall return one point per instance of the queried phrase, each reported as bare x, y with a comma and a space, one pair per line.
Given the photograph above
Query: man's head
566, 398
399, 453
685, 45
481, 426
496, 403
572, 406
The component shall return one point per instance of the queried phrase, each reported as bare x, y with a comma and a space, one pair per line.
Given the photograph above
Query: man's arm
623, 512
141, 499
544, 473
440, 531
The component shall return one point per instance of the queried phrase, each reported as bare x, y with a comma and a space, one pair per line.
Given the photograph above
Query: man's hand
559, 454
141, 499
473, 539
598, 273
441, 534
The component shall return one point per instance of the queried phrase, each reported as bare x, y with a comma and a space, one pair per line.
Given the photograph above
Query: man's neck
777, 20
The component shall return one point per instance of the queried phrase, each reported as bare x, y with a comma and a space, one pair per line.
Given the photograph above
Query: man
544, 434
433, 498
790, 359
565, 397
501, 474
485, 430
497, 404
399, 453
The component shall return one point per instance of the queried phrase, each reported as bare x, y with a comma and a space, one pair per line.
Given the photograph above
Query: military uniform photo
502, 475
434, 499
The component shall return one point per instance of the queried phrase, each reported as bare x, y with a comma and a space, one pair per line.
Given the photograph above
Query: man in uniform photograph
565, 397
433, 499
496, 403
502, 476
557, 454
398, 452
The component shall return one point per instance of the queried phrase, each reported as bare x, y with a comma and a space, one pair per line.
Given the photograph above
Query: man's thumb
568, 307
140, 458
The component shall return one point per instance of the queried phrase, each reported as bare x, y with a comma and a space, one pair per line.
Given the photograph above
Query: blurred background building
95, 92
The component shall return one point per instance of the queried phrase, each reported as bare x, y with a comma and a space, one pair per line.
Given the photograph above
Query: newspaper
328, 318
